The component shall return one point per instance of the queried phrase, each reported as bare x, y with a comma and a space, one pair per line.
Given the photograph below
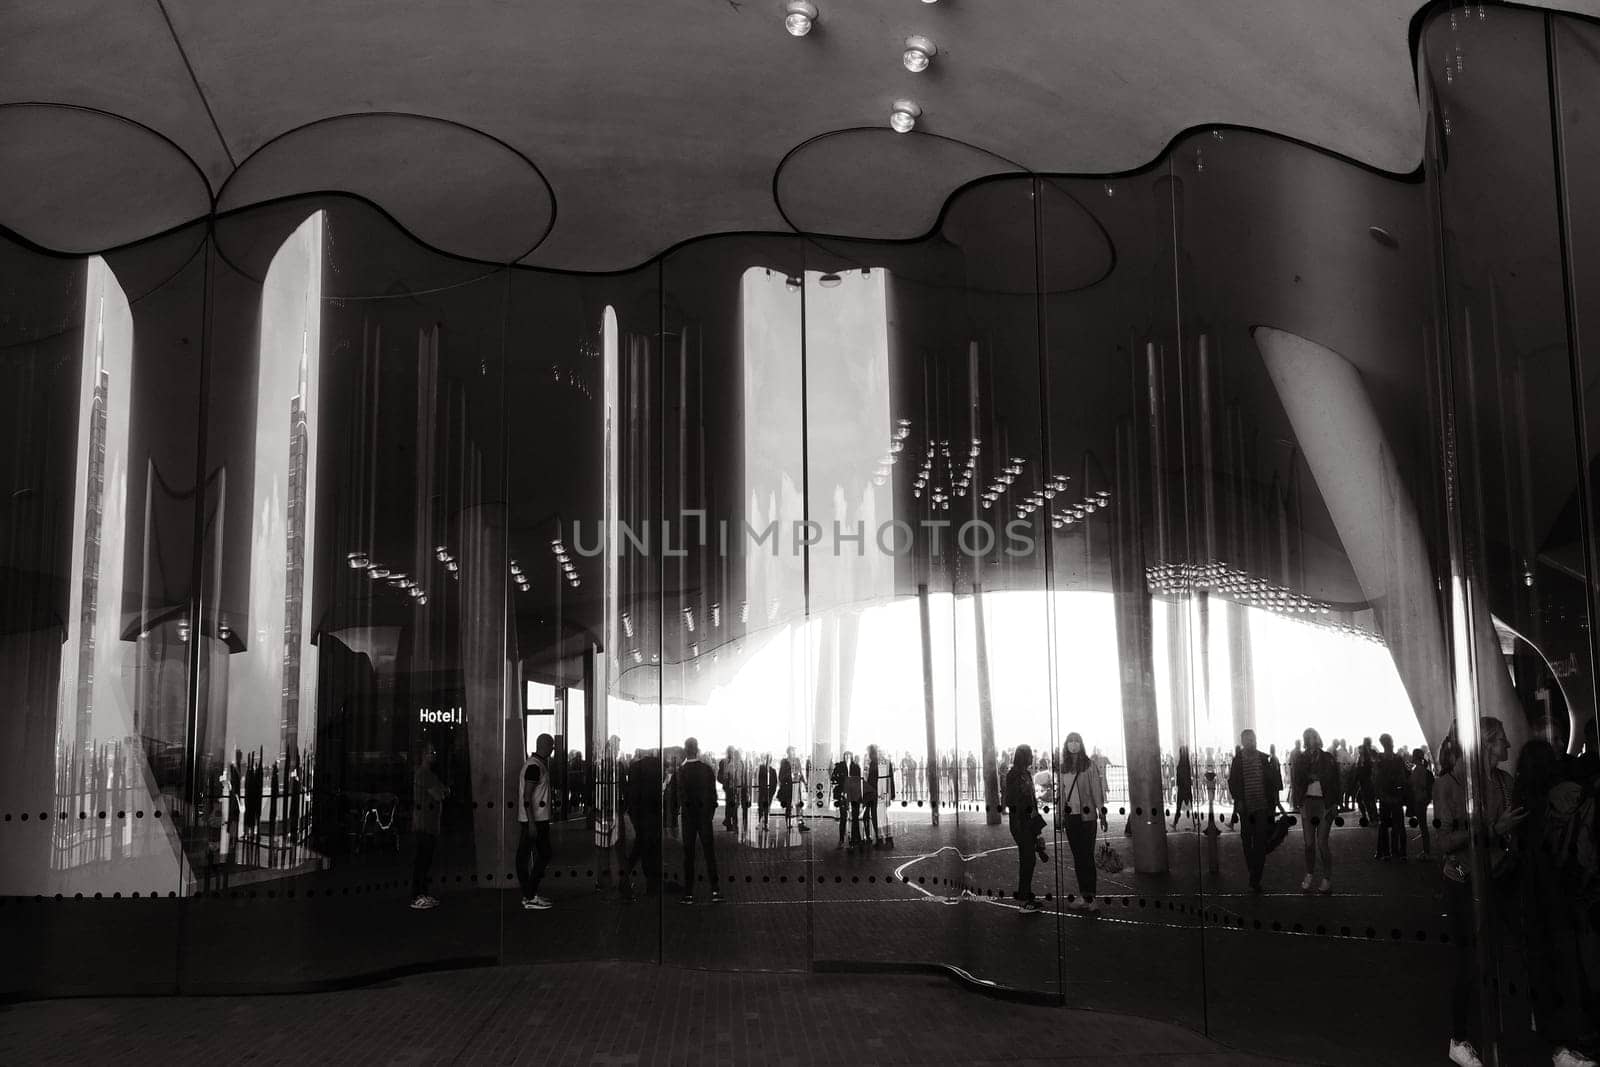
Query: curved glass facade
311, 535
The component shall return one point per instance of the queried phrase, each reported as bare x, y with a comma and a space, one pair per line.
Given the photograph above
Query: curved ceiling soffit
451, 186
77, 180
869, 183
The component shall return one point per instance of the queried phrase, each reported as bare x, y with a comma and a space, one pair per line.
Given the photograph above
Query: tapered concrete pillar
1136, 660
1345, 448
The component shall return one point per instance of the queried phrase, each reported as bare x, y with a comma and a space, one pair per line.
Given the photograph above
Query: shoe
1566, 1057
1031, 904
433, 901
1326, 887
804, 828
687, 898
1255, 887
716, 897
1306, 883
423, 903
1463, 1054
1091, 907
537, 903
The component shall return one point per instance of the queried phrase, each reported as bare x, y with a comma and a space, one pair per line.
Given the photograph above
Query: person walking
877, 774
427, 804
1185, 779
1254, 786
534, 810
1315, 792
1488, 827
1083, 799
697, 784
730, 794
786, 786
1026, 825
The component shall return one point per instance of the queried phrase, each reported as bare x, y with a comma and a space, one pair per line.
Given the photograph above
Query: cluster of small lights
523, 583
1066, 515
744, 611
452, 566
377, 572
627, 625
572, 378
800, 18
569, 569
1230, 582
938, 495
897, 445
1002, 481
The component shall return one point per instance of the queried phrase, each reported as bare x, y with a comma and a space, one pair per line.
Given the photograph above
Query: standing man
427, 802
1389, 780
1254, 786
533, 814
697, 784
766, 788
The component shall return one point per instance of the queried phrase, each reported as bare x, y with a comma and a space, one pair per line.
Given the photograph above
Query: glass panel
574, 342
100, 369
356, 709
1320, 547
737, 642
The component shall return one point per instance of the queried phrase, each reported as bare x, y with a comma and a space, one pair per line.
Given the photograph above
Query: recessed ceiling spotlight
799, 17
919, 53
903, 116
829, 280
1382, 236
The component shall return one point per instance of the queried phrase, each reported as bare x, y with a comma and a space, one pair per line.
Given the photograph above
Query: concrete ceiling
598, 134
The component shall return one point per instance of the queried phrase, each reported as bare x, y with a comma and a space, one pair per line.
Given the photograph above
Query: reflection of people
533, 814
1254, 787
1185, 777
766, 786
1082, 805
644, 809
875, 771
1488, 827
1389, 786
786, 786
1025, 824
730, 797
1314, 791
427, 800
697, 785
1420, 785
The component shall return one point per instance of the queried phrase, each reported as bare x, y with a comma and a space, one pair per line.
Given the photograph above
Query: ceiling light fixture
919, 53
799, 17
829, 280
903, 116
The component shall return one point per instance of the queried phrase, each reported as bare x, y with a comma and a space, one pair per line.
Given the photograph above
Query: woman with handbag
1082, 806
1026, 824
1314, 792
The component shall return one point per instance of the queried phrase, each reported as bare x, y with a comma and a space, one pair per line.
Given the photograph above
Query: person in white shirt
533, 816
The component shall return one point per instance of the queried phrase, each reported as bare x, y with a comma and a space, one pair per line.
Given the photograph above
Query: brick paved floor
611, 1014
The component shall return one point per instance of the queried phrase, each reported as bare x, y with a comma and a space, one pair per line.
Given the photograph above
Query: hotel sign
442, 716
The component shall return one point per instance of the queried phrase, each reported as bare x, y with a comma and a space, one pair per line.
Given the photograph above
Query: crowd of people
1525, 847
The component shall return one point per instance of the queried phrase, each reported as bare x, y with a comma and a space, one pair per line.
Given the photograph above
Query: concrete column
1347, 452
1136, 660
493, 736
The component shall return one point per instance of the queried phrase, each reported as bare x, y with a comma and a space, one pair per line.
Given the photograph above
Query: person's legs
708, 841
855, 822
1312, 816
1324, 847
1025, 861
541, 855
1080, 836
1253, 838
421, 862
524, 844
649, 844
872, 818
1421, 815
1464, 992
691, 828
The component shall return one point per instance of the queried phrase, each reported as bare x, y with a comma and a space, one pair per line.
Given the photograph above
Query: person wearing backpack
1556, 870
